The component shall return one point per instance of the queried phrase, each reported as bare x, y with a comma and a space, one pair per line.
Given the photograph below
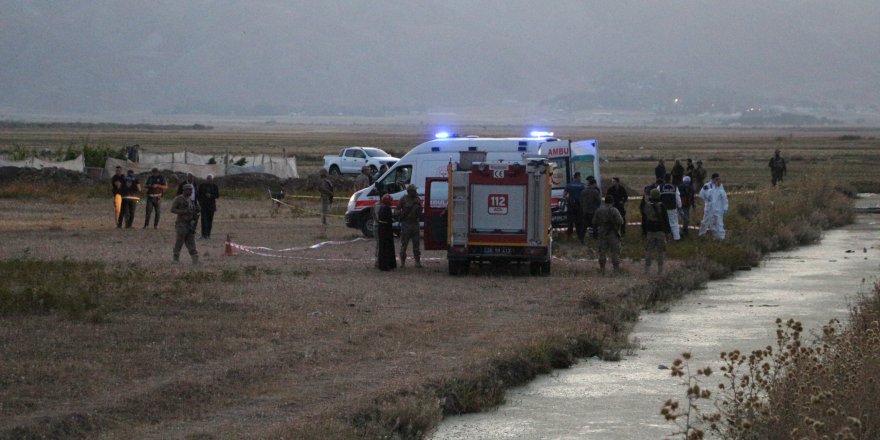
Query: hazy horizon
379, 58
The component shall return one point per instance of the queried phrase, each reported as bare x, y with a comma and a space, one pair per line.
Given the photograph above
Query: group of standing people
665, 209
192, 203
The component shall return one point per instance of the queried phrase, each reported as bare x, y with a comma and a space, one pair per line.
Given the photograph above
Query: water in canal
622, 400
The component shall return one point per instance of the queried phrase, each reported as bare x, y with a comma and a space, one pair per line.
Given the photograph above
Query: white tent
197, 164
78, 164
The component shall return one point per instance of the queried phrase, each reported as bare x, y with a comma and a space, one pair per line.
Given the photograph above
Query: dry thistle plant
824, 389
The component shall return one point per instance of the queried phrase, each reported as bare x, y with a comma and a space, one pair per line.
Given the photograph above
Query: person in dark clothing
677, 173
590, 201
620, 196
208, 195
117, 181
189, 180
660, 170
655, 226
572, 197
156, 186
387, 258
689, 170
131, 192
699, 177
777, 168
687, 202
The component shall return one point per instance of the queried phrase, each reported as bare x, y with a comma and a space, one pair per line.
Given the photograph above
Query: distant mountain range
388, 57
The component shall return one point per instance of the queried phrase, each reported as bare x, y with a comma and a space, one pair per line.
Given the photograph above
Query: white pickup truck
352, 159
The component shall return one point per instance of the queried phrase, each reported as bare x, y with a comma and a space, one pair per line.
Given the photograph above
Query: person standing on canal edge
686, 191
208, 195
156, 186
655, 226
590, 200
607, 222
715, 199
777, 168
671, 200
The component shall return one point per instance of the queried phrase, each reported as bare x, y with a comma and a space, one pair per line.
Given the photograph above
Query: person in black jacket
618, 192
655, 226
208, 193
386, 258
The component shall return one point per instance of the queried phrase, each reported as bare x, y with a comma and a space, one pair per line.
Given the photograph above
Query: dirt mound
55, 175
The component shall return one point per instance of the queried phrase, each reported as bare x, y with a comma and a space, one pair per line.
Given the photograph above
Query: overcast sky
94, 56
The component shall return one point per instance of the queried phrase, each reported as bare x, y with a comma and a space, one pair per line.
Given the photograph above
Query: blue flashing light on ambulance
431, 159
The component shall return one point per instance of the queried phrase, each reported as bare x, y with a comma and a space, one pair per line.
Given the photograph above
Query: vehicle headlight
351, 202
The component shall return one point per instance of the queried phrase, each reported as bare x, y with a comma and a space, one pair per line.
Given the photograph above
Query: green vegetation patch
85, 291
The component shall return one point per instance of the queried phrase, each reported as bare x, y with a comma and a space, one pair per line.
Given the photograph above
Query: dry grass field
107, 338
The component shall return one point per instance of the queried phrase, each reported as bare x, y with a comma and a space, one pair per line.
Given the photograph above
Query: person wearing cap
715, 207
325, 188
686, 191
156, 186
187, 211
131, 195
208, 195
620, 196
655, 226
409, 210
607, 222
590, 200
386, 259
116, 182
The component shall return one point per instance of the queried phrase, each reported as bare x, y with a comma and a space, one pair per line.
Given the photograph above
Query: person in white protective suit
715, 207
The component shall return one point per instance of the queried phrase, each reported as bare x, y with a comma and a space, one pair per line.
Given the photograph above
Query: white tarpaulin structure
197, 164
78, 164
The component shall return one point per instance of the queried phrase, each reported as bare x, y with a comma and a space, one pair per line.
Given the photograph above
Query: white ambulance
431, 159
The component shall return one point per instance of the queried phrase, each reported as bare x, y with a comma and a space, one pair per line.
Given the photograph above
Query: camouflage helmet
411, 187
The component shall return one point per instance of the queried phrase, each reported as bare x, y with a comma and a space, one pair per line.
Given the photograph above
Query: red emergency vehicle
497, 211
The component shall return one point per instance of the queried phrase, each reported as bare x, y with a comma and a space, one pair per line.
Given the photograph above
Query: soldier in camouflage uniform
607, 222
187, 211
409, 210
655, 226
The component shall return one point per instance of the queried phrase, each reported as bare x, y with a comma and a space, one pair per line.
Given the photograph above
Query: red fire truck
496, 212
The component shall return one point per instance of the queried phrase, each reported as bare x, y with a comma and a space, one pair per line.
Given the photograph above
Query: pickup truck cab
352, 159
